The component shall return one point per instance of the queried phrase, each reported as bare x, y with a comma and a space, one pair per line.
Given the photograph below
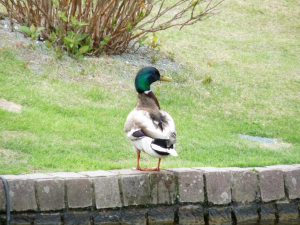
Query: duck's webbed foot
147, 169
136, 168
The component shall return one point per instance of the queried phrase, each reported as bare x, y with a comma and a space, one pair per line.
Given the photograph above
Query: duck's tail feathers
164, 150
172, 152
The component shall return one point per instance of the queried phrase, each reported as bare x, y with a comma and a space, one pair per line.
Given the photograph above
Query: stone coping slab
98, 173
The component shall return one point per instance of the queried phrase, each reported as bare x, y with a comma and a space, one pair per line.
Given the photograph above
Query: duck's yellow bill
162, 78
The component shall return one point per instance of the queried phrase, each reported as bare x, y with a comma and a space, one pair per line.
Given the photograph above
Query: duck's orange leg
147, 169
138, 155
158, 166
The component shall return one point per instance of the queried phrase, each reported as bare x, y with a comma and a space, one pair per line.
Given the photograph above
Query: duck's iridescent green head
145, 77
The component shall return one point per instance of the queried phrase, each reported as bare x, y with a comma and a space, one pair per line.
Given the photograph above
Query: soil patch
10, 106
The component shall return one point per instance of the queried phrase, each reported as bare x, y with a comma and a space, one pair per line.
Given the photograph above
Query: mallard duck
150, 129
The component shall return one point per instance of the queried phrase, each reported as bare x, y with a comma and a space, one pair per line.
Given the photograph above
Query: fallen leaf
142, 5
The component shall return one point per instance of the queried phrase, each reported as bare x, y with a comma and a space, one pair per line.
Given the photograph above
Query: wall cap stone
130, 172
184, 169
282, 167
32, 176
98, 173
67, 175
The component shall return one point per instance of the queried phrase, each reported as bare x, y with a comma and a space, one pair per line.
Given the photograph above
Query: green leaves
74, 42
157, 91
141, 40
207, 80
129, 27
68, 40
141, 14
106, 38
25, 29
74, 45
157, 54
88, 42
104, 42
195, 2
32, 32
32, 29
154, 43
154, 39
48, 44
58, 52
82, 36
77, 24
39, 30
73, 20
84, 49
170, 55
62, 16
52, 36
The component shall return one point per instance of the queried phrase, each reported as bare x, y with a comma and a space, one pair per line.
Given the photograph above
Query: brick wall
184, 196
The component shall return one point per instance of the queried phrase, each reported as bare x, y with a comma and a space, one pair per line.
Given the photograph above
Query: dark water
269, 223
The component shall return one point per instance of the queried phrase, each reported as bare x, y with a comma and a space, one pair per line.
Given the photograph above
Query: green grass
73, 120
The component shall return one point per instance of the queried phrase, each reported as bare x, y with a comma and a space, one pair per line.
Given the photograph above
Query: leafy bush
81, 26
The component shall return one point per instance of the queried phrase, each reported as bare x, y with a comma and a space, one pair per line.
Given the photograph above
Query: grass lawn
73, 113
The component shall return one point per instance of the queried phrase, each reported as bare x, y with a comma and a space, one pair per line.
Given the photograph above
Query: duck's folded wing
138, 134
141, 123
155, 134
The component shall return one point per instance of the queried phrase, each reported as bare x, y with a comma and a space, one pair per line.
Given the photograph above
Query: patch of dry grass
10, 106
11, 157
284, 147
